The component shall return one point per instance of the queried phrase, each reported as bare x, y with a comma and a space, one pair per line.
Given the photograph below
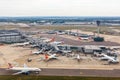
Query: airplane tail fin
62, 42
46, 56
79, 38
10, 65
25, 66
53, 39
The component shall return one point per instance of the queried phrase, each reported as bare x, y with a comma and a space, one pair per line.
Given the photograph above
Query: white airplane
22, 44
77, 57
38, 52
83, 38
52, 56
63, 51
109, 59
33, 46
60, 33
66, 51
53, 42
23, 70
56, 42
49, 40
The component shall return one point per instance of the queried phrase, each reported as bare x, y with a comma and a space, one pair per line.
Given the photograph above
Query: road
71, 72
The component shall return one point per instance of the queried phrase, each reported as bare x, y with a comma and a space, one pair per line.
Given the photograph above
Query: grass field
117, 28
83, 28
103, 29
54, 78
86, 28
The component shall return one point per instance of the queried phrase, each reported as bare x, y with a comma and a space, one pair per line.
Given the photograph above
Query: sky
59, 7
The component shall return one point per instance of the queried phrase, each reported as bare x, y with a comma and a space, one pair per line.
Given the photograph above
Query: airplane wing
77, 57
50, 57
48, 53
54, 57
20, 72
38, 52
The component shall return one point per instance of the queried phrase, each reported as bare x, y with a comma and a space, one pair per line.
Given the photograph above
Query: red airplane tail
53, 39
10, 65
79, 38
46, 56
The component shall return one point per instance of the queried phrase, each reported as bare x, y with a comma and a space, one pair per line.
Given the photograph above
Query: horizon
61, 16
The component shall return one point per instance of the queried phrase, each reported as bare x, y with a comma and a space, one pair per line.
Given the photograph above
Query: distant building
11, 36
78, 23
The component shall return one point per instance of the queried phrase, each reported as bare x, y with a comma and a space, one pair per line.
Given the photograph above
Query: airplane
63, 52
60, 33
33, 46
22, 44
50, 57
66, 51
49, 40
23, 70
84, 37
97, 54
56, 42
109, 59
39, 52
53, 42
77, 57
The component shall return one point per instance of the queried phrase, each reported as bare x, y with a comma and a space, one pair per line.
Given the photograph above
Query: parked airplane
60, 33
23, 70
49, 40
110, 59
66, 51
52, 56
53, 42
22, 44
33, 46
84, 37
56, 42
77, 57
39, 52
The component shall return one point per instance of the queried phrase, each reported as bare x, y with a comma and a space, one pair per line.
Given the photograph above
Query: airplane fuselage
24, 69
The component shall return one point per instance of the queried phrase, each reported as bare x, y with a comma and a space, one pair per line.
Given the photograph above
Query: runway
71, 72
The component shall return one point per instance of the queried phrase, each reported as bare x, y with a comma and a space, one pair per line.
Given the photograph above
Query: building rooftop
9, 33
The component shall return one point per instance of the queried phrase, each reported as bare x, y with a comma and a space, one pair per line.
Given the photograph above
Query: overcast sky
59, 7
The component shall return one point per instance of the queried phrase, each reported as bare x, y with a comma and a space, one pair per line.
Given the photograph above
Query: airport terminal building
11, 36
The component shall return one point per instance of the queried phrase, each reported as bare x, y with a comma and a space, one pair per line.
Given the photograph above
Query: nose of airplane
39, 70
